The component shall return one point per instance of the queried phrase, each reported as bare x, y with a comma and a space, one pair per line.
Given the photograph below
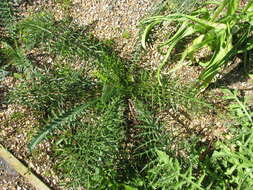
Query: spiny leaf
59, 121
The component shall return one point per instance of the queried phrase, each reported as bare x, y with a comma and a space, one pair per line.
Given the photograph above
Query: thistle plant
225, 30
89, 101
107, 119
90, 156
168, 174
7, 13
57, 90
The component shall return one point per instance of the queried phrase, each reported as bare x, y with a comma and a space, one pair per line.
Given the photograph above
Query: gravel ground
10, 179
114, 19
16, 127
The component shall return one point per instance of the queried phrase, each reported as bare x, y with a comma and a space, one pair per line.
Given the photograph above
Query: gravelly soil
10, 179
113, 19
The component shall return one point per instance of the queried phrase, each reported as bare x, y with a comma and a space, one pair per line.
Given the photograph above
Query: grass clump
225, 30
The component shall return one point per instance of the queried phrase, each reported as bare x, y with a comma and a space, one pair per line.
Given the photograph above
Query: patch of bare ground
10, 180
17, 125
208, 127
117, 20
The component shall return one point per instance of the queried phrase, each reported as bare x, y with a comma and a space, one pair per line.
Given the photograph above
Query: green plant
234, 158
239, 107
168, 174
51, 88
15, 56
67, 97
88, 107
59, 121
62, 38
106, 117
126, 34
172, 94
49, 91
65, 4
7, 13
89, 151
153, 135
225, 31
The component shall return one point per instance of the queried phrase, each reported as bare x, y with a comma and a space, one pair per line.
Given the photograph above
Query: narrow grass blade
146, 33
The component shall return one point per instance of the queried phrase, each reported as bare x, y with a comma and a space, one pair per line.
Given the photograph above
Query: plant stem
218, 11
